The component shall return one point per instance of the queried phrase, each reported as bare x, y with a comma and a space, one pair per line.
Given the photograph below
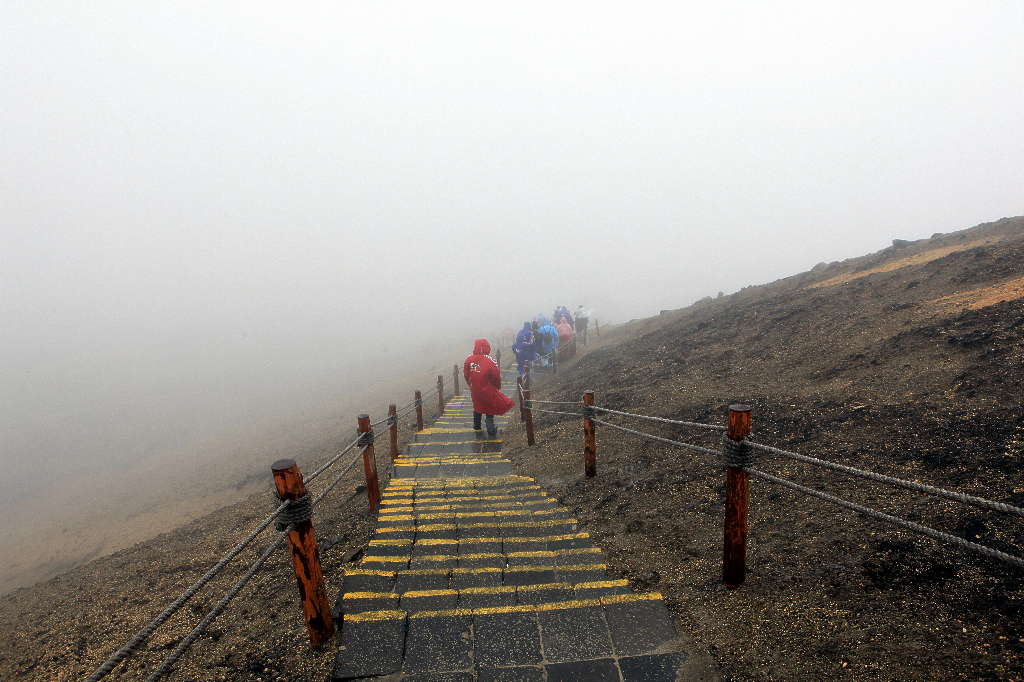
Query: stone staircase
474, 573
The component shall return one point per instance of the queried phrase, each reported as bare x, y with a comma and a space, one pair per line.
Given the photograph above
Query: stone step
570, 639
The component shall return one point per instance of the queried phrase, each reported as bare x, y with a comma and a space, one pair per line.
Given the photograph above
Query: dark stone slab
430, 602
574, 576
595, 592
439, 644
639, 627
652, 668
470, 600
482, 562
440, 534
402, 533
574, 634
368, 583
370, 648
506, 639
390, 550
510, 675
526, 595
408, 582
514, 577
370, 604
480, 547
603, 670
464, 579
439, 677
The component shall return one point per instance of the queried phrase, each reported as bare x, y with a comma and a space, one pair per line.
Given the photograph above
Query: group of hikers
539, 339
535, 342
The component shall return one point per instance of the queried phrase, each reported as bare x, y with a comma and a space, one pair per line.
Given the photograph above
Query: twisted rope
737, 453
697, 425
298, 511
142, 635
329, 463
556, 402
537, 409
688, 446
898, 482
895, 520
183, 646
337, 479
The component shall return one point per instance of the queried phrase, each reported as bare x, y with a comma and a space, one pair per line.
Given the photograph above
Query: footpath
475, 574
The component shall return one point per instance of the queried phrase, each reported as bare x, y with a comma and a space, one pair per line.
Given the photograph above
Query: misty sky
213, 212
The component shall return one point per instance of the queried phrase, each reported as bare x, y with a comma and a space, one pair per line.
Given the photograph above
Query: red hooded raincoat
484, 379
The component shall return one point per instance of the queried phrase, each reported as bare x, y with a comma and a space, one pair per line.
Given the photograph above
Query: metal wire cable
556, 402
909, 525
337, 479
697, 425
677, 443
216, 611
898, 482
537, 409
331, 461
142, 635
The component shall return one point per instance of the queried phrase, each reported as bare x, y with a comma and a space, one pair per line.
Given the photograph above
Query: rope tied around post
298, 511
737, 453
365, 438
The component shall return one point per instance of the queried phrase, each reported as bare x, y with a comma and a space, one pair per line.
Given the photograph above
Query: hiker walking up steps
484, 380
525, 348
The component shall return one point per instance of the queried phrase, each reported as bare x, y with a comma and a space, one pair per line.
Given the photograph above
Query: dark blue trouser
491, 428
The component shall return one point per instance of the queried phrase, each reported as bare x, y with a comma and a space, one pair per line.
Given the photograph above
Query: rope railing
292, 516
738, 455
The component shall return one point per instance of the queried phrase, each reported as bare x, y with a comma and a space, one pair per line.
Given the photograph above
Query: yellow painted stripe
430, 593
495, 506
494, 589
407, 498
449, 613
518, 608
417, 443
497, 524
369, 571
366, 616
601, 583
390, 543
370, 595
385, 560
531, 608
545, 586
428, 516
627, 598
573, 567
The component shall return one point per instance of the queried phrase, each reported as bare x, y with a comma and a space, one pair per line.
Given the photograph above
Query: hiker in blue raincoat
548, 341
525, 347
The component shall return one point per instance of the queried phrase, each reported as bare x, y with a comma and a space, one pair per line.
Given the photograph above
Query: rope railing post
393, 430
737, 497
554, 362
589, 437
529, 412
522, 410
455, 379
440, 395
305, 555
369, 462
419, 411
497, 358
597, 328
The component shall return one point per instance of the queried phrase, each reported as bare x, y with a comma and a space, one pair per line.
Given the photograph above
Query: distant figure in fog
582, 320
561, 312
565, 332
525, 347
484, 380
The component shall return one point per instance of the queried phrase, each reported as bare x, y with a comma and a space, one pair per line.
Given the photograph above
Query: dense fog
227, 226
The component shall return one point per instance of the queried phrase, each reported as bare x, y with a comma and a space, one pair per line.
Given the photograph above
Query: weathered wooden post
305, 555
497, 358
440, 395
419, 411
529, 412
597, 327
369, 462
737, 498
455, 378
589, 437
554, 361
522, 411
393, 430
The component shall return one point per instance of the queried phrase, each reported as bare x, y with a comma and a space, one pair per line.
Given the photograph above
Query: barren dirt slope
907, 362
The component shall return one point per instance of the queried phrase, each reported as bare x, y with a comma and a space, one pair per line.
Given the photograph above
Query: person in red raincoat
484, 380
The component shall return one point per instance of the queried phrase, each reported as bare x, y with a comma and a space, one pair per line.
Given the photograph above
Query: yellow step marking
531, 608
367, 616
390, 543
496, 524
494, 589
369, 571
469, 515
525, 491
568, 567
493, 507
385, 560
371, 595
417, 443
545, 586
601, 583
430, 593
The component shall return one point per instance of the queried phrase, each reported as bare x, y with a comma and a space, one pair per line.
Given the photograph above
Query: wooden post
597, 327
419, 411
522, 412
455, 378
737, 498
393, 430
529, 413
589, 438
305, 557
554, 361
369, 463
497, 358
440, 395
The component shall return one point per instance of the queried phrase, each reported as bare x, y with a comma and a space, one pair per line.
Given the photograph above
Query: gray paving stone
518, 577
469, 600
432, 602
603, 670
522, 674
439, 677
574, 634
526, 595
639, 627
370, 648
408, 582
652, 668
439, 644
367, 583
506, 639
463, 579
